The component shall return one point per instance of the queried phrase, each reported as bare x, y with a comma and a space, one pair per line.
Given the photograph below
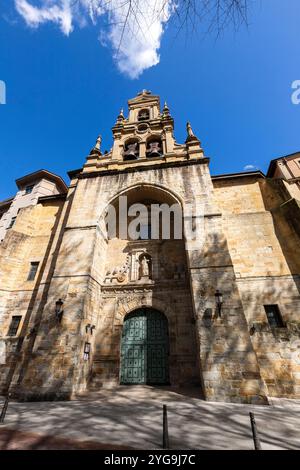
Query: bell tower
146, 134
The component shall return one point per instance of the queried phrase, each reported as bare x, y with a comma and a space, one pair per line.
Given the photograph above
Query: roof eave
243, 174
39, 174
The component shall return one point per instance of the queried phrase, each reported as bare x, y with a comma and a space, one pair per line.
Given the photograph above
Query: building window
29, 189
86, 352
33, 269
12, 222
274, 316
14, 325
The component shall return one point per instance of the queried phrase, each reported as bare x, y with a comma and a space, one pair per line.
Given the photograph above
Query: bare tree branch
190, 15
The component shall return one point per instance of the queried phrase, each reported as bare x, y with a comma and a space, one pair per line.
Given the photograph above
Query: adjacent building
30, 188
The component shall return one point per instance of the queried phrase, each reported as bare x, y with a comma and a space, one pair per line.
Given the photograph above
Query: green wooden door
144, 348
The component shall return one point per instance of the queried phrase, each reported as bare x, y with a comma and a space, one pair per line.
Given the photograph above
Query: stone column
142, 150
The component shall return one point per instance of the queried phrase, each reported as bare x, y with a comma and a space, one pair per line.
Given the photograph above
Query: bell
154, 149
143, 115
131, 152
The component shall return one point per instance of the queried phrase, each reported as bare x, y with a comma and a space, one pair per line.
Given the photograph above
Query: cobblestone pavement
131, 417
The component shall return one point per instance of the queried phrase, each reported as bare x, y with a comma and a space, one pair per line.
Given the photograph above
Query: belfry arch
158, 191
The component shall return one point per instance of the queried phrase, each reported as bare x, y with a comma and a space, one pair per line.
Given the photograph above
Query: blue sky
63, 90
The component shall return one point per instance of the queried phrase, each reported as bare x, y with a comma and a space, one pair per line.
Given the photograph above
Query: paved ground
11, 439
131, 417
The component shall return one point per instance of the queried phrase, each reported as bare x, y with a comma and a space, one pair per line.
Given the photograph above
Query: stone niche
145, 262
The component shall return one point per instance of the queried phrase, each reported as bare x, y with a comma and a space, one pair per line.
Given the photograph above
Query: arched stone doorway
145, 348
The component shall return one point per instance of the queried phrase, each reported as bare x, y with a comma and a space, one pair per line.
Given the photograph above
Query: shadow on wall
276, 349
19, 376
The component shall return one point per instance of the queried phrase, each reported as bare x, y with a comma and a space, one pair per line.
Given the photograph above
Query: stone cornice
139, 168
159, 285
278, 277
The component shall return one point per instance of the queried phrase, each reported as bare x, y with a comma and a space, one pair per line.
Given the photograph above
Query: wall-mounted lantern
219, 301
86, 351
58, 310
89, 328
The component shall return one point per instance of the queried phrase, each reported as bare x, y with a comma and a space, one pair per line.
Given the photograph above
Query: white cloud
134, 36
250, 167
55, 11
136, 46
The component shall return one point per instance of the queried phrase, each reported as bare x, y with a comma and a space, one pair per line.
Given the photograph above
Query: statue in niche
145, 267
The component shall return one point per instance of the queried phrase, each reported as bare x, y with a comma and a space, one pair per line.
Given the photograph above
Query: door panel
133, 364
156, 364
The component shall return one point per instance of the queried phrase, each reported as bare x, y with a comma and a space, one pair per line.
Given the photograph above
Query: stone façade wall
220, 352
264, 247
243, 253
31, 239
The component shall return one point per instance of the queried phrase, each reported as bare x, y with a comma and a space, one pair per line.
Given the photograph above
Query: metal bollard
4, 409
165, 428
256, 440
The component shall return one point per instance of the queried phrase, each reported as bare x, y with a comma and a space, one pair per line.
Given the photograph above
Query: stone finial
97, 146
190, 133
120, 117
98, 143
189, 130
166, 111
144, 92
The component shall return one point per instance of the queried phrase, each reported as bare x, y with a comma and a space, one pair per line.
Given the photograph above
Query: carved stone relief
118, 274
